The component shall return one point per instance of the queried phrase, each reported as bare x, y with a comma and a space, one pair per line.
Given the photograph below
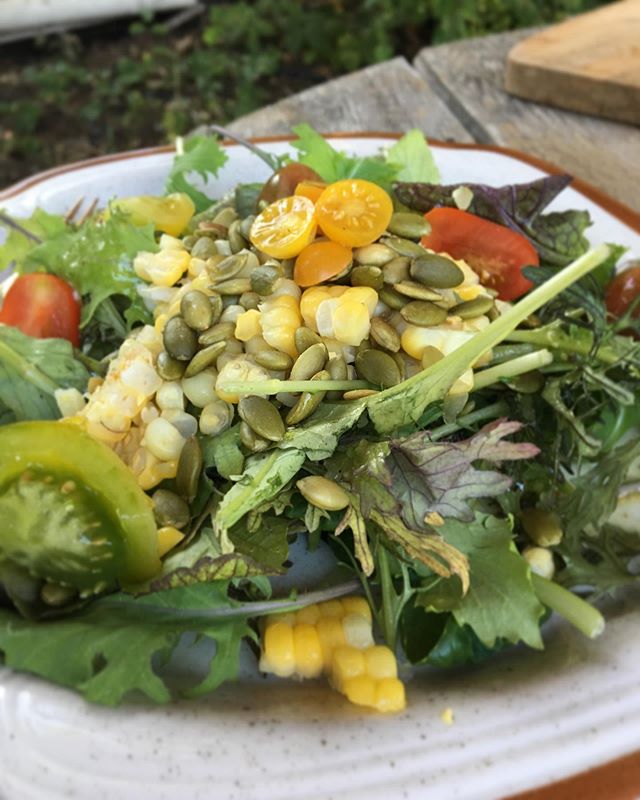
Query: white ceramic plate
522, 720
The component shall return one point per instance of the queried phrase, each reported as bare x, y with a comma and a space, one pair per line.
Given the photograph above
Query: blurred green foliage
68, 98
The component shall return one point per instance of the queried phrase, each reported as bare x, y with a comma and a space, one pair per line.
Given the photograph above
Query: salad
433, 388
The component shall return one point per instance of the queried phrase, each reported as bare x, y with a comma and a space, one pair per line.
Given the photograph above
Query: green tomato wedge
71, 511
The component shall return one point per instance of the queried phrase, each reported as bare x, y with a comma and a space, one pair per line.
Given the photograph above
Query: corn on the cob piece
334, 638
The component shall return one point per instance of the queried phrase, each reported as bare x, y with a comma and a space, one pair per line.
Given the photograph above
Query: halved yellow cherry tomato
285, 227
319, 262
310, 189
353, 212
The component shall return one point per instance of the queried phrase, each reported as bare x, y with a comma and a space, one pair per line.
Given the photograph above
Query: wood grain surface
588, 63
391, 96
469, 78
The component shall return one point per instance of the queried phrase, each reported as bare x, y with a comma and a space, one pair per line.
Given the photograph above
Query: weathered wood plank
390, 96
469, 77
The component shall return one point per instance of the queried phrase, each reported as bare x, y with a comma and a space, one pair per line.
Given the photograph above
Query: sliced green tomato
71, 511
170, 214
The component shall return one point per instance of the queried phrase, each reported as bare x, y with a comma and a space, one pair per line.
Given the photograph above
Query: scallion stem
274, 386
510, 369
574, 609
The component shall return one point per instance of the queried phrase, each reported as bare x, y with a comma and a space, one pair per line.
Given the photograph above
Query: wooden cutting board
590, 63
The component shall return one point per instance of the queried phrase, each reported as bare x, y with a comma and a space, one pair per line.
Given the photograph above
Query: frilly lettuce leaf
203, 156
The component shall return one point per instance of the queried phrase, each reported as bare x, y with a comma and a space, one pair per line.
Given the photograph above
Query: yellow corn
334, 638
167, 266
339, 312
248, 325
168, 538
279, 319
242, 368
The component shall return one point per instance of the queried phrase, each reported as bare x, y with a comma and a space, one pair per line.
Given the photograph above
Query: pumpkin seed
309, 362
196, 310
304, 338
235, 286
307, 402
225, 217
251, 440
205, 358
378, 368
423, 313
436, 271
338, 371
408, 225
323, 493
274, 360
170, 509
203, 248
359, 394
189, 469
404, 247
364, 345
262, 417
217, 306
219, 332
383, 334
169, 369
375, 255
189, 241
367, 275
245, 226
417, 291
473, 308
493, 314
392, 298
263, 279
250, 300
216, 417
232, 309
229, 267
236, 240
396, 270
528, 382
179, 340
400, 363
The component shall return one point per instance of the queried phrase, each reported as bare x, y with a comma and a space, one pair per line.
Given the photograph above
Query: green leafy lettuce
39, 226
113, 647
201, 155
30, 372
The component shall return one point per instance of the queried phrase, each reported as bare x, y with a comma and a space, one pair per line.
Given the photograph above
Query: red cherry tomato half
622, 291
283, 182
497, 254
43, 306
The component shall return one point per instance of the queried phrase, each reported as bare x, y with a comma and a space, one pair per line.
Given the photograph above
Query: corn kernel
168, 538
356, 605
248, 325
308, 653
331, 635
390, 695
70, 401
200, 389
360, 690
362, 294
164, 268
347, 662
163, 440
170, 395
380, 662
309, 614
279, 651
469, 292
351, 322
357, 631
240, 369
332, 608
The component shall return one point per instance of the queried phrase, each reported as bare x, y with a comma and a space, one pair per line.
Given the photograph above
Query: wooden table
455, 92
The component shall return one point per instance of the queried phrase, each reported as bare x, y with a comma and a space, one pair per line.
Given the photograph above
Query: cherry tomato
319, 262
311, 189
284, 181
170, 214
623, 290
285, 227
496, 253
353, 212
43, 306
